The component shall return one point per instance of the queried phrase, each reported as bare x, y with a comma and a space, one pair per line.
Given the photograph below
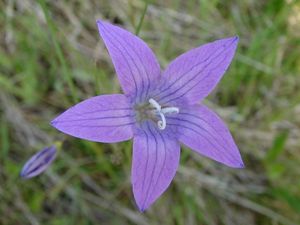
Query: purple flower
38, 163
158, 110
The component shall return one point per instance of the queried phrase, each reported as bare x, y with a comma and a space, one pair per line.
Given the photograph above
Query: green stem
58, 51
139, 26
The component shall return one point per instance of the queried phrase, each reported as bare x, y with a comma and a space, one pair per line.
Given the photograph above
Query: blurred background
49, 48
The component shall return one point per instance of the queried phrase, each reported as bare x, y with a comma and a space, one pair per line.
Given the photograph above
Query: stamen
162, 123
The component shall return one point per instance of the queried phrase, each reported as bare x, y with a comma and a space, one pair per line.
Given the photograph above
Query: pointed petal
193, 75
38, 163
105, 118
203, 131
155, 161
135, 63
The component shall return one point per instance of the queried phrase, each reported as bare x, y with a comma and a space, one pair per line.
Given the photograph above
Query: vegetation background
50, 51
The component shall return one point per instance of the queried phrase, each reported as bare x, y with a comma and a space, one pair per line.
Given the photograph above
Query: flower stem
58, 51
139, 26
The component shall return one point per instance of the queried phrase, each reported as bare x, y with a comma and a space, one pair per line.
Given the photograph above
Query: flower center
155, 112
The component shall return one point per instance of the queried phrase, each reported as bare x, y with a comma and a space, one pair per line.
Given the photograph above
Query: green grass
52, 55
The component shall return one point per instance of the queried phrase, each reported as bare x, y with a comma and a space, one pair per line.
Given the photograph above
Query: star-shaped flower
159, 110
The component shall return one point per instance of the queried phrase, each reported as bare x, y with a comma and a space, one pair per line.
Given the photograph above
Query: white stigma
155, 104
162, 123
170, 110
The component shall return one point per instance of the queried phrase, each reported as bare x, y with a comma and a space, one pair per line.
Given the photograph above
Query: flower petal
105, 118
155, 161
135, 63
203, 131
38, 163
193, 75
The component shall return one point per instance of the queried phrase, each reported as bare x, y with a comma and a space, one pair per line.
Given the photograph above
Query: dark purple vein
146, 168
207, 139
163, 165
152, 172
97, 126
202, 119
130, 56
189, 89
135, 84
141, 62
197, 64
95, 118
99, 110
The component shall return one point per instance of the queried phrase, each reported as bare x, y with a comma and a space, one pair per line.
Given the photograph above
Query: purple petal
155, 161
105, 118
193, 75
39, 162
134, 61
203, 131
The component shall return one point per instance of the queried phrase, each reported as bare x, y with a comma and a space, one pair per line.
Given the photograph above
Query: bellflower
39, 162
159, 110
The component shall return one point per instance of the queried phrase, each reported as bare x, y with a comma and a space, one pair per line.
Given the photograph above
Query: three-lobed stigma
153, 111
161, 112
